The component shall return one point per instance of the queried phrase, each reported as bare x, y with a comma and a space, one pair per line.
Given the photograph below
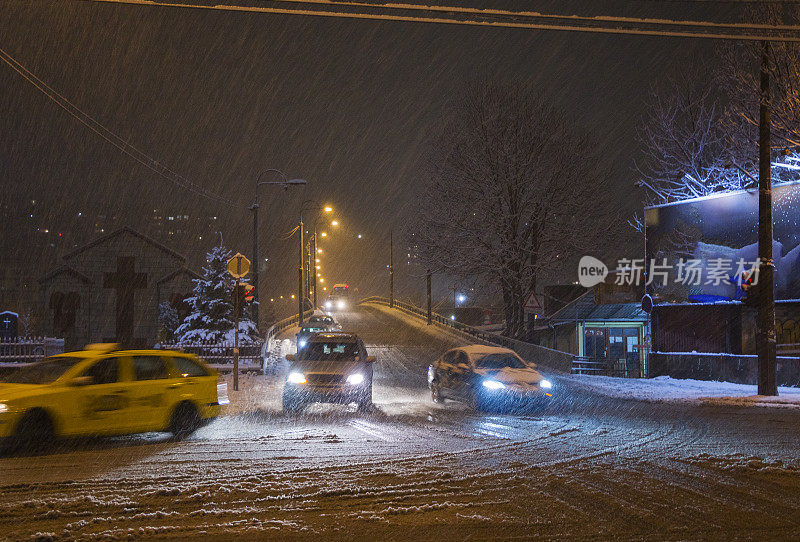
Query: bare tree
739, 76
512, 192
685, 143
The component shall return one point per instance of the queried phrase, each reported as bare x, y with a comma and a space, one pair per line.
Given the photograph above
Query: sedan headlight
355, 379
296, 378
545, 384
493, 385
3, 408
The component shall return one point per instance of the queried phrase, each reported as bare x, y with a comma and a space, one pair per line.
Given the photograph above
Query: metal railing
24, 350
540, 355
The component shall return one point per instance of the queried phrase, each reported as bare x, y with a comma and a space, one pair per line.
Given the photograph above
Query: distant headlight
355, 379
296, 378
493, 385
328, 304
341, 305
301, 343
545, 384
3, 408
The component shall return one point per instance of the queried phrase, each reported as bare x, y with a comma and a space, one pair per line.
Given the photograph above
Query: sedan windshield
330, 351
500, 361
44, 372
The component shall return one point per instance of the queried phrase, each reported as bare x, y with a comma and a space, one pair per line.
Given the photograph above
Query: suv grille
325, 379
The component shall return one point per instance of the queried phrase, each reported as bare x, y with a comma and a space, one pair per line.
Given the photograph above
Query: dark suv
332, 368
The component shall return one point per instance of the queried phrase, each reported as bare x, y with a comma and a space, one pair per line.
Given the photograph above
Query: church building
109, 290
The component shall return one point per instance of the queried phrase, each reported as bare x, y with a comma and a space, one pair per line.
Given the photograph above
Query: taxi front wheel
34, 432
185, 420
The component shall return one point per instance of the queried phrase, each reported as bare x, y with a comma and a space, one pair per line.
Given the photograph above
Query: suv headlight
355, 379
296, 378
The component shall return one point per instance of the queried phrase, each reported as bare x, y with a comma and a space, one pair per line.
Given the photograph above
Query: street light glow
334, 222
328, 209
319, 251
324, 234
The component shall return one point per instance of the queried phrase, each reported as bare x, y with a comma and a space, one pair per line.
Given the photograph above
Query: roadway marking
369, 428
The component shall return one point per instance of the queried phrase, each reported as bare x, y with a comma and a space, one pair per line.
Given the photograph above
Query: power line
328, 8
106, 134
457, 10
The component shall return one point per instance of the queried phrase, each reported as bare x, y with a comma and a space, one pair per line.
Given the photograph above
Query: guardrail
540, 355
269, 350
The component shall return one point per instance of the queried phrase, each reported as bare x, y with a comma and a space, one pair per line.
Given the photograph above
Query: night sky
351, 106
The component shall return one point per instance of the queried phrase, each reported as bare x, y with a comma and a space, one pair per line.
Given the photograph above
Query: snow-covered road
591, 466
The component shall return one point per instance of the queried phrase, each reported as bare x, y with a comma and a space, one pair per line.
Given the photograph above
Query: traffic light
243, 295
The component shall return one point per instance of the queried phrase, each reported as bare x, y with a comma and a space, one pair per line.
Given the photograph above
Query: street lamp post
308, 205
285, 183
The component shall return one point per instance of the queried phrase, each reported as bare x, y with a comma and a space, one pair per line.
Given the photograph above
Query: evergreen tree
211, 317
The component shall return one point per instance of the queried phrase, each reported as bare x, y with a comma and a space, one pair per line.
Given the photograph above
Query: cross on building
125, 281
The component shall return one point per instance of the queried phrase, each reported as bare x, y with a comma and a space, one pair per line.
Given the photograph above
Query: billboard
712, 230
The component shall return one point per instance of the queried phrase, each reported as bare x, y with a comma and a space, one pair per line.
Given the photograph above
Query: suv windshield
500, 361
330, 351
44, 372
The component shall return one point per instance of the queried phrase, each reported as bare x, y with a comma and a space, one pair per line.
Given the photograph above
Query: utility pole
391, 269
300, 276
766, 339
428, 281
236, 335
254, 208
314, 261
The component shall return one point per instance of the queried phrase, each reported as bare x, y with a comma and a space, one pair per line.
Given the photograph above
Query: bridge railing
540, 355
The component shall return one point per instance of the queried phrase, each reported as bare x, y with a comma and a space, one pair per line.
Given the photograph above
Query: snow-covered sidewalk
667, 389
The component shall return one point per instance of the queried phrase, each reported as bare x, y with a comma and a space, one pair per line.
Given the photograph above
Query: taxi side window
105, 371
187, 367
149, 368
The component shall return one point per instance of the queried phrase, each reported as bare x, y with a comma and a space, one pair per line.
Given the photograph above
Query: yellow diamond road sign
238, 266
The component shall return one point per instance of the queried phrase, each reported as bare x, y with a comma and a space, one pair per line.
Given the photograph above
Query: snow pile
667, 389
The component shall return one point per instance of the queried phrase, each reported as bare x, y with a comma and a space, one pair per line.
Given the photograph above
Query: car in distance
333, 368
339, 298
326, 321
306, 331
104, 391
487, 378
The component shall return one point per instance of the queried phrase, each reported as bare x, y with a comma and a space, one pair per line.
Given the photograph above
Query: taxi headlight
545, 384
355, 379
296, 378
328, 305
341, 305
493, 385
3, 408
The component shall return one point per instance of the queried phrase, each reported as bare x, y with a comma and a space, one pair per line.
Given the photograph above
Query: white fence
24, 350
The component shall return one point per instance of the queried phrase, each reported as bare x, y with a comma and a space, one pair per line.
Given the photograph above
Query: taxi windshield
330, 351
43, 372
500, 361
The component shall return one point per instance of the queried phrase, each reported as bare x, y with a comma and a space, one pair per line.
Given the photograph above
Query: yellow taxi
105, 391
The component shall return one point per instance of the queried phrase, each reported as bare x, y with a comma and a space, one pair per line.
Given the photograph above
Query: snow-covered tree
211, 317
685, 144
168, 321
